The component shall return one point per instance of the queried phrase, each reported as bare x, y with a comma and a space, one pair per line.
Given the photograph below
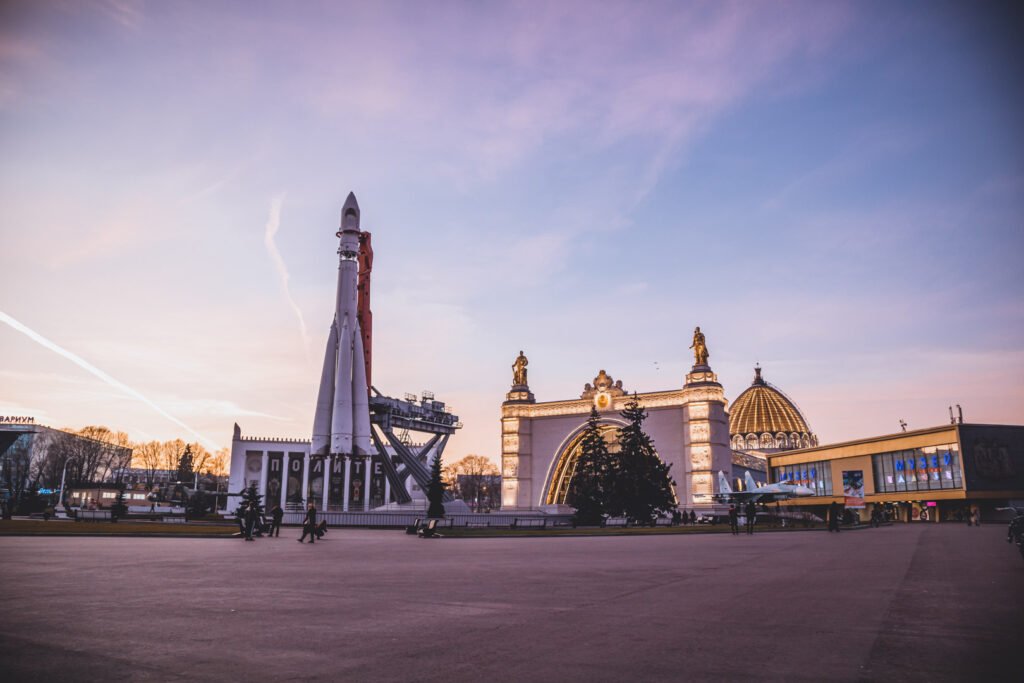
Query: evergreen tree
641, 482
250, 496
435, 489
186, 465
590, 484
119, 508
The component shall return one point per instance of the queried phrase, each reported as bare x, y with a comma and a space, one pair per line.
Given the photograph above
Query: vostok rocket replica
341, 424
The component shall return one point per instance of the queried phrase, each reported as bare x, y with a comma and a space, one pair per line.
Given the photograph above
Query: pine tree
641, 483
119, 509
250, 496
186, 465
435, 489
590, 483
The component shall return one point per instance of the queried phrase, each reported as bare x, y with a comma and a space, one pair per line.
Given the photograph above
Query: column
327, 479
305, 481
286, 461
344, 484
263, 478
387, 486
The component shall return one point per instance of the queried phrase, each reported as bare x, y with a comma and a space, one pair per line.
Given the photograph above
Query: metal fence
403, 518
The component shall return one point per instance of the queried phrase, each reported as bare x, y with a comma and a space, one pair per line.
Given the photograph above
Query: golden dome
764, 418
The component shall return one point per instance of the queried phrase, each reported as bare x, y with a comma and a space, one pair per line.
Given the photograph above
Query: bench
663, 521
529, 523
429, 530
173, 519
616, 521
477, 525
93, 515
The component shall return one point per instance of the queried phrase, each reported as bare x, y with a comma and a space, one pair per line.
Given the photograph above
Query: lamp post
63, 475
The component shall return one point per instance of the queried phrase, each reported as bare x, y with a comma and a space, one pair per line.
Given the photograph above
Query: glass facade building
814, 475
932, 468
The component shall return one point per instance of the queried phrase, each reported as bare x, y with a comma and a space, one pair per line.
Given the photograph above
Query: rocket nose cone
350, 213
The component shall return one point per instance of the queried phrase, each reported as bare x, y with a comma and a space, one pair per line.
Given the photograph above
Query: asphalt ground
909, 602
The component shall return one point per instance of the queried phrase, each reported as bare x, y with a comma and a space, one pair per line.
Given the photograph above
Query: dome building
764, 419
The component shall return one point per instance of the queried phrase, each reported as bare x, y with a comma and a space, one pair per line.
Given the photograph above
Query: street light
63, 474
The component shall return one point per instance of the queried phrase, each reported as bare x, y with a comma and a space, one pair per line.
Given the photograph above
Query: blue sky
834, 190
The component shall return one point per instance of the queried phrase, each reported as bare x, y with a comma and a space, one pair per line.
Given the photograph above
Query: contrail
273, 223
86, 365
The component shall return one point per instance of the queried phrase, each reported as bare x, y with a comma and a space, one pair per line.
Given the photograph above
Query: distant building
929, 475
25, 445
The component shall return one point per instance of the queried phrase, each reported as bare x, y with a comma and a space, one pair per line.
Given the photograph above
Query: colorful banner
376, 483
853, 488
357, 484
275, 475
295, 478
335, 495
316, 481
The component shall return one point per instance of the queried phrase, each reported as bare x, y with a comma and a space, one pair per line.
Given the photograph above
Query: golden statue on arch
700, 347
519, 370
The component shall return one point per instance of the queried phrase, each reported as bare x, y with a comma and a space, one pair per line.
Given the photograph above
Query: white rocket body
341, 424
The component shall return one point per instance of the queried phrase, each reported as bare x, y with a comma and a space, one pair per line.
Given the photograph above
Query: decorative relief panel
509, 426
510, 443
715, 394
700, 458
700, 432
509, 467
699, 411
701, 484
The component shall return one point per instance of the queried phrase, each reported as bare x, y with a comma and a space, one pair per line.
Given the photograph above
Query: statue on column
519, 370
700, 348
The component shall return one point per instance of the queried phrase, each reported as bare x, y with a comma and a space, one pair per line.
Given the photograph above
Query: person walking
734, 520
751, 516
693, 517
252, 515
309, 525
833, 517
276, 515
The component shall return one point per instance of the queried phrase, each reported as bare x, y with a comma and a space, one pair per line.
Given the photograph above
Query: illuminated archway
565, 465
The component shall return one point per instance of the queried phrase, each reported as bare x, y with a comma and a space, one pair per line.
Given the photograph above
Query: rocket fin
325, 396
341, 422
360, 396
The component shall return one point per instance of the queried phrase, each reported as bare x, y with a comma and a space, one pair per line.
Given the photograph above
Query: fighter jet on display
765, 494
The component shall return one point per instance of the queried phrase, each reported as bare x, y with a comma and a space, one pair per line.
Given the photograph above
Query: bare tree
473, 479
200, 456
170, 454
148, 457
217, 464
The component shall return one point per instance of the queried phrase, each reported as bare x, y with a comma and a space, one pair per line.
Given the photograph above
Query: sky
832, 190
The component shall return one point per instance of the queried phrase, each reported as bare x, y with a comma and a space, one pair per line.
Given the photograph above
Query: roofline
629, 394
885, 437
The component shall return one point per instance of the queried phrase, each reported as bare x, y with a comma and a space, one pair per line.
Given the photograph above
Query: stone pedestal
516, 453
705, 434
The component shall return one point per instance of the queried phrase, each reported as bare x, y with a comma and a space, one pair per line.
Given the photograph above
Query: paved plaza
915, 602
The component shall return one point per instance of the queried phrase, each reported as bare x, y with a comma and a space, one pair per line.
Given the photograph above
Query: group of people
749, 512
683, 517
253, 523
